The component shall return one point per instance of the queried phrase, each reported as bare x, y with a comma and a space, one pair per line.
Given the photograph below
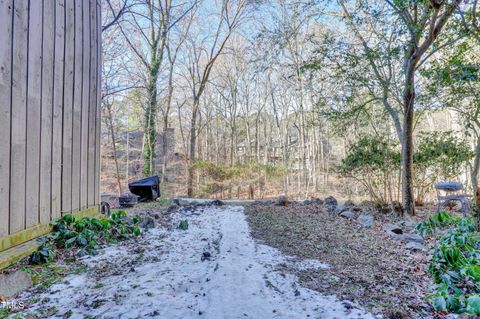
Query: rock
206, 256
392, 228
408, 237
349, 203
14, 283
339, 209
216, 202
347, 214
307, 202
414, 246
154, 215
101, 265
331, 201
366, 220
148, 223
410, 224
281, 201
172, 208
316, 201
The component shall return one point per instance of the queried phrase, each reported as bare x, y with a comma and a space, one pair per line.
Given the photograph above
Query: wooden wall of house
50, 60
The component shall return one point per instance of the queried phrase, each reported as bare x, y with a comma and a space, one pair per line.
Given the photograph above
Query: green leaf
183, 225
439, 304
473, 305
69, 218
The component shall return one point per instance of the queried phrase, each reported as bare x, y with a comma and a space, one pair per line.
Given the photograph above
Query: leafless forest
241, 99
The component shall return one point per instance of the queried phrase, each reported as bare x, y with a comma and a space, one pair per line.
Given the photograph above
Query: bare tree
202, 58
150, 23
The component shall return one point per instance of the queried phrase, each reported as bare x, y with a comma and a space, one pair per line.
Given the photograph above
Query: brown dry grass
366, 266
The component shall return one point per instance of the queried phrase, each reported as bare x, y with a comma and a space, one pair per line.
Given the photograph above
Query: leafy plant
455, 265
437, 221
438, 156
86, 234
42, 255
183, 225
374, 162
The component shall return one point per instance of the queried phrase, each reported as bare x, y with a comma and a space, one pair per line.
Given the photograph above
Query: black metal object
105, 208
127, 200
147, 188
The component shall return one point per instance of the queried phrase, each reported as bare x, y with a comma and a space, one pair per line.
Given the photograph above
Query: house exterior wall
50, 62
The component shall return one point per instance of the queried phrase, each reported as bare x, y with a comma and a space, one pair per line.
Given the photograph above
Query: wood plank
99, 101
68, 108
6, 9
46, 119
19, 117
34, 107
93, 103
77, 107
85, 104
57, 108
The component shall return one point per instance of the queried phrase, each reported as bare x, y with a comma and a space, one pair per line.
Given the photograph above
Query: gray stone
366, 220
281, 201
216, 202
408, 237
410, 224
317, 201
392, 228
414, 246
331, 201
148, 223
172, 208
339, 209
347, 214
349, 203
14, 283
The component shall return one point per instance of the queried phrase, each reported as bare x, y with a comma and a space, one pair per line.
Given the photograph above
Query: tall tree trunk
193, 143
114, 145
168, 106
475, 186
475, 172
407, 138
150, 128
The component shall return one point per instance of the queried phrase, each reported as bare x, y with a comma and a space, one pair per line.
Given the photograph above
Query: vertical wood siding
49, 110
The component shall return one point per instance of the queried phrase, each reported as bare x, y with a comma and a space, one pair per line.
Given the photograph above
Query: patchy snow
212, 270
309, 264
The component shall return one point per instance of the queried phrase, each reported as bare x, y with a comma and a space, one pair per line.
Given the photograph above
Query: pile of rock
362, 214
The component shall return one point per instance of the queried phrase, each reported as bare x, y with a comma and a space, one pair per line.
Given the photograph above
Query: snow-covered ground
214, 270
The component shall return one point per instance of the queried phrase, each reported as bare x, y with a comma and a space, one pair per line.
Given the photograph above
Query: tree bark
407, 138
193, 143
114, 145
150, 128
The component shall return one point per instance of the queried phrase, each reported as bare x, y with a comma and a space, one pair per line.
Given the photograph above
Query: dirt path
214, 269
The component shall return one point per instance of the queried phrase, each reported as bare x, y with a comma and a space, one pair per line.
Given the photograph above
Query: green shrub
374, 162
86, 234
438, 156
434, 222
455, 265
183, 225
